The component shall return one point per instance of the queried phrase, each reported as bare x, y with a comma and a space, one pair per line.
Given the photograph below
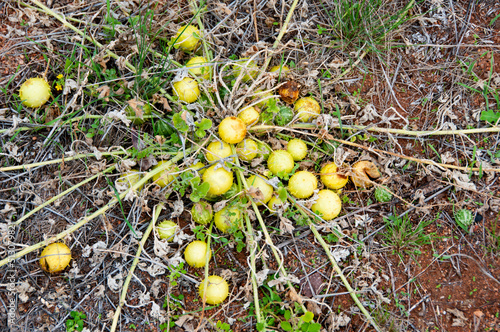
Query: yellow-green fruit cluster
232, 130
249, 115
197, 67
330, 178
217, 150
166, 230
266, 189
328, 204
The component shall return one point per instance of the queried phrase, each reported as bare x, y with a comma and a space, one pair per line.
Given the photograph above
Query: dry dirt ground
399, 95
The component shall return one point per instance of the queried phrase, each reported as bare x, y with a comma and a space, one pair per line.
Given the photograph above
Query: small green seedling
75, 323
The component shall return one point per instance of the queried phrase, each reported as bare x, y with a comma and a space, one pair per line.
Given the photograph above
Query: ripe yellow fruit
217, 290
220, 180
197, 67
297, 149
232, 130
274, 203
130, 178
330, 178
248, 67
276, 69
247, 149
34, 92
227, 218
166, 176
363, 171
307, 108
187, 38
187, 90
199, 166
55, 257
266, 189
249, 115
195, 253
217, 150
280, 161
302, 184
328, 204
166, 230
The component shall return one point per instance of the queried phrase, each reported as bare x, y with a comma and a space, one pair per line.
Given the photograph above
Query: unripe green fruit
280, 161
302, 184
328, 204
464, 219
34, 92
382, 194
217, 290
195, 253
166, 230
227, 218
297, 149
202, 212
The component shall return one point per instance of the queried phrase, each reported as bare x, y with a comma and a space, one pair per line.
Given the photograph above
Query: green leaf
490, 116
70, 323
205, 124
260, 326
314, 327
286, 326
308, 317
179, 123
287, 314
282, 194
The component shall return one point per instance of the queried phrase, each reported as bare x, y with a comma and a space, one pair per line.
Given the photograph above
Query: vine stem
61, 160
421, 161
336, 267
417, 133
156, 213
39, 207
269, 241
205, 272
94, 215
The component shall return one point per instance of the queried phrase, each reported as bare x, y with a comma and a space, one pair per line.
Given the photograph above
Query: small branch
156, 213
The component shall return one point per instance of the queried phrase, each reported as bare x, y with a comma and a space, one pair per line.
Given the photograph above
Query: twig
156, 213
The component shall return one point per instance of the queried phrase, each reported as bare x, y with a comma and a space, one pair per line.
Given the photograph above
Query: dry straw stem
61, 160
330, 137
156, 213
102, 210
53, 199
